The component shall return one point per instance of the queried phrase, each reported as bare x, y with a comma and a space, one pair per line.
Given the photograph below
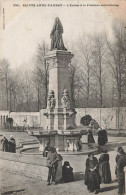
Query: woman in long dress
104, 167
90, 137
92, 176
102, 137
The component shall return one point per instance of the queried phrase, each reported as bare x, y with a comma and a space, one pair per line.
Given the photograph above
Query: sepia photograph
62, 97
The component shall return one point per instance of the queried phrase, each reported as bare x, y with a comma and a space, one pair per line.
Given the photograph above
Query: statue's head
65, 93
51, 93
57, 20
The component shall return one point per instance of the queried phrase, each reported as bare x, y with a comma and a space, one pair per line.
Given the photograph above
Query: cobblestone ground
11, 183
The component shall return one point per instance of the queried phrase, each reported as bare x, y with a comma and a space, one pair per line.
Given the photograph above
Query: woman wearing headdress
67, 172
102, 137
104, 167
12, 144
92, 176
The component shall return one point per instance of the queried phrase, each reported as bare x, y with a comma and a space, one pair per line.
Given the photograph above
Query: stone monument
61, 131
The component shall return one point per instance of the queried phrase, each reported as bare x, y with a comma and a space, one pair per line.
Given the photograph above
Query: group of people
92, 124
8, 145
52, 163
102, 137
98, 171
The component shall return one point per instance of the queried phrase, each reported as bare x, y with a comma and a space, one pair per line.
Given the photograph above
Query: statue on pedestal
51, 100
56, 36
65, 100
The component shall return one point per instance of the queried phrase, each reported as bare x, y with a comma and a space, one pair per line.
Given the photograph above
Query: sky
26, 26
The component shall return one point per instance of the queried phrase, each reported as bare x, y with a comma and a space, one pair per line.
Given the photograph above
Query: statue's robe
56, 36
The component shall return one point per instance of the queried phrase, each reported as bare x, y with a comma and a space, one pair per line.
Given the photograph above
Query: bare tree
40, 73
4, 74
98, 67
117, 59
85, 55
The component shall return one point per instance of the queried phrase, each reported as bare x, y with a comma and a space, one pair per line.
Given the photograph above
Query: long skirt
105, 173
92, 180
91, 138
121, 182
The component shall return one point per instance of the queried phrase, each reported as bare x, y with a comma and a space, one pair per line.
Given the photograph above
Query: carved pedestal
60, 113
72, 143
59, 77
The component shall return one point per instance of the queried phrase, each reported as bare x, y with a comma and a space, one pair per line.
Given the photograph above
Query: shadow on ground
12, 191
109, 188
78, 176
113, 146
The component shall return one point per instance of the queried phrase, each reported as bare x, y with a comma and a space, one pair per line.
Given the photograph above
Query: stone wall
3, 117
31, 119
24, 164
123, 118
106, 117
28, 165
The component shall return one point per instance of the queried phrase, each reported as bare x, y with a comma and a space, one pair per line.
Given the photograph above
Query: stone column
59, 79
58, 61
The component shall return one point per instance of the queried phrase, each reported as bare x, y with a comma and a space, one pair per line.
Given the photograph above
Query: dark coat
12, 145
102, 137
92, 178
90, 137
67, 174
120, 173
116, 159
4, 142
52, 159
104, 168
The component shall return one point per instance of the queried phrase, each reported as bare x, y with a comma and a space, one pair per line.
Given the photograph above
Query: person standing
4, 143
121, 163
52, 164
116, 159
79, 145
92, 176
12, 144
102, 137
90, 137
104, 167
